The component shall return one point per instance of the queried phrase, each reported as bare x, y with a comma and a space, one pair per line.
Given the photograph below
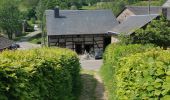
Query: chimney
164, 12
56, 12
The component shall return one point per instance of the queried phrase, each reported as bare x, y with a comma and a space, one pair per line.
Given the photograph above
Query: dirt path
93, 88
100, 92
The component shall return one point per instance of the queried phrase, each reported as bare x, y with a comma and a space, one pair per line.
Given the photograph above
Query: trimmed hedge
112, 55
144, 76
41, 74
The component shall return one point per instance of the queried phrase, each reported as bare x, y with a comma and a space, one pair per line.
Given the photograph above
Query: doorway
88, 47
78, 48
107, 41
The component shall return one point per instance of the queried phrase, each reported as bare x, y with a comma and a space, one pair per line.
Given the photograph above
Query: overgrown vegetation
157, 32
144, 76
21, 15
136, 71
117, 5
45, 73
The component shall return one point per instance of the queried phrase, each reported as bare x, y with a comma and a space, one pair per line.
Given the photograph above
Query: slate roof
168, 13
75, 22
5, 42
143, 10
166, 4
132, 23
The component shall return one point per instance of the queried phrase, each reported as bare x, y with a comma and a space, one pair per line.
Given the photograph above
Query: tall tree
9, 15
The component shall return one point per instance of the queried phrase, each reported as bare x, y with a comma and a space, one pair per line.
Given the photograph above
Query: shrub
45, 73
144, 76
112, 55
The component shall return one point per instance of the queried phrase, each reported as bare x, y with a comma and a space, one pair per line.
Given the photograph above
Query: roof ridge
141, 6
144, 15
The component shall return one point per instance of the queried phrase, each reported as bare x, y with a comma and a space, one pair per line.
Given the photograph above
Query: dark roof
132, 23
167, 4
168, 13
143, 10
80, 22
5, 42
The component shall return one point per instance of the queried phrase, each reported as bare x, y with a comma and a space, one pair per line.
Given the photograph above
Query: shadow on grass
92, 89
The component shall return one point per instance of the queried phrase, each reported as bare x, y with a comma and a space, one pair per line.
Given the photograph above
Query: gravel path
91, 64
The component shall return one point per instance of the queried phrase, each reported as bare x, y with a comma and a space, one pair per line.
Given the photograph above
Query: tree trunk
9, 35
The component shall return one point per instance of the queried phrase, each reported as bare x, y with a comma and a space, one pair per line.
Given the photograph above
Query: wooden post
93, 43
65, 41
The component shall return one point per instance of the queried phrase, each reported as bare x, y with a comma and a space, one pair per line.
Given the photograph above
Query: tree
9, 15
157, 32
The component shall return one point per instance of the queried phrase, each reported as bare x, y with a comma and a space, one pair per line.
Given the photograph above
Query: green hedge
144, 76
112, 55
39, 74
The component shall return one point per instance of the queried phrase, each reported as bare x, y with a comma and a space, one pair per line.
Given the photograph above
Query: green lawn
153, 3
88, 8
36, 39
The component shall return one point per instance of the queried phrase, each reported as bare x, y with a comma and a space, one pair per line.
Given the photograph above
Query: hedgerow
111, 57
144, 76
39, 74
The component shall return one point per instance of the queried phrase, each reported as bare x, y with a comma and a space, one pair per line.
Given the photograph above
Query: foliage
145, 3
115, 6
112, 55
39, 74
157, 32
144, 76
10, 21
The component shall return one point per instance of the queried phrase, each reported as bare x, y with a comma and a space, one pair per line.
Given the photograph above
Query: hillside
118, 5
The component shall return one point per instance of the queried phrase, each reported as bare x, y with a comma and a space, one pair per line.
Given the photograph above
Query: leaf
158, 80
157, 85
168, 73
150, 88
160, 72
166, 97
157, 92
164, 92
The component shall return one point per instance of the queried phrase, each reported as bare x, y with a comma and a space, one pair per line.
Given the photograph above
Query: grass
88, 85
153, 3
36, 39
20, 36
88, 8
106, 72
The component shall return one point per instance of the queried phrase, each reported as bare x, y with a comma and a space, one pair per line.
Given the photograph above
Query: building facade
80, 30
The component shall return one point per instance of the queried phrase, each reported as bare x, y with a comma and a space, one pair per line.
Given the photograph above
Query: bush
45, 73
112, 55
144, 76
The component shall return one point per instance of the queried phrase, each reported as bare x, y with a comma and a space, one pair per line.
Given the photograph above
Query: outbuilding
80, 30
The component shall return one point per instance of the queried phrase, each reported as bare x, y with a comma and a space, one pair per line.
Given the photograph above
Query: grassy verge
107, 75
36, 39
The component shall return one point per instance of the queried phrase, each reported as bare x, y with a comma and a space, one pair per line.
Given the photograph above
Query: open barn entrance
78, 48
107, 41
88, 47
